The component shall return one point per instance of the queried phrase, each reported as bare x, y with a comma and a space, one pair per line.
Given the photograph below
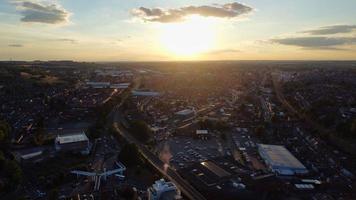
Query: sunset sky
145, 30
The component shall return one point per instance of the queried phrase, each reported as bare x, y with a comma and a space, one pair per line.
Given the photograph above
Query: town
178, 130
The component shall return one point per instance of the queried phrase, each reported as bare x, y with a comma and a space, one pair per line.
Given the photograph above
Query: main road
283, 100
117, 119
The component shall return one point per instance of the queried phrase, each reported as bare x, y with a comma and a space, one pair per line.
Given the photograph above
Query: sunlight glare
188, 38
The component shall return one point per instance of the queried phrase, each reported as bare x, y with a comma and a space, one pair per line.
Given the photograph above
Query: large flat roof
73, 137
279, 156
218, 171
185, 112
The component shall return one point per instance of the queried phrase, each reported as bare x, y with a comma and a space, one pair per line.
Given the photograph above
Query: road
170, 173
117, 117
282, 99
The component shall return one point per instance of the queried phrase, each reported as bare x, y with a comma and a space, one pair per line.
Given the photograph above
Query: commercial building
145, 93
120, 85
162, 190
202, 134
31, 155
216, 170
185, 114
280, 160
98, 85
74, 142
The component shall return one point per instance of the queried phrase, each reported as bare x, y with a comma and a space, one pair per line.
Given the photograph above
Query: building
216, 170
145, 93
120, 85
185, 114
31, 155
162, 190
98, 85
280, 160
202, 134
74, 142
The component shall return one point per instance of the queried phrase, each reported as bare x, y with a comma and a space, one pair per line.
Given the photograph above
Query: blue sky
114, 30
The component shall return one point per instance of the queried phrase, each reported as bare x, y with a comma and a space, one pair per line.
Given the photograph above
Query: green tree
353, 128
140, 130
2, 160
53, 194
223, 136
4, 131
130, 156
14, 173
260, 130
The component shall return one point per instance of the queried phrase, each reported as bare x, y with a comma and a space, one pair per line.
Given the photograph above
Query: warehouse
74, 142
280, 160
185, 114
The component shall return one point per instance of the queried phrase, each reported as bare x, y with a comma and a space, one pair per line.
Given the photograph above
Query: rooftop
185, 112
73, 137
218, 171
279, 156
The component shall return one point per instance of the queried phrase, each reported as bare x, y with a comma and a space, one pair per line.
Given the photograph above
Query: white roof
279, 156
185, 112
31, 155
69, 138
304, 186
98, 83
144, 93
202, 132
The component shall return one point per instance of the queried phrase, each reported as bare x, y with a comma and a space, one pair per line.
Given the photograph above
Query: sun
188, 39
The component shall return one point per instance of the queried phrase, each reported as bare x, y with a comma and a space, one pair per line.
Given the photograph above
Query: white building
280, 160
120, 85
98, 85
162, 190
185, 114
75, 142
145, 93
203, 134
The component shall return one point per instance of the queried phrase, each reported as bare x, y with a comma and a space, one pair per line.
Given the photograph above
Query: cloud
311, 42
15, 45
222, 51
329, 30
42, 13
73, 41
229, 10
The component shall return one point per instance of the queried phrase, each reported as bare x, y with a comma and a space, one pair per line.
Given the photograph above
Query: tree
140, 130
53, 194
128, 193
3, 135
221, 125
4, 131
14, 173
130, 156
353, 128
39, 135
2, 160
223, 136
260, 130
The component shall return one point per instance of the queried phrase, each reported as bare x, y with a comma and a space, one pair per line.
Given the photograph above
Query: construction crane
97, 176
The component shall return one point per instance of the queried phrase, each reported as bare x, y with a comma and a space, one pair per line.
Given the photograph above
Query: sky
164, 30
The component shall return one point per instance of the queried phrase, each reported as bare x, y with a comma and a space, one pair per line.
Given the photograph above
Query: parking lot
186, 151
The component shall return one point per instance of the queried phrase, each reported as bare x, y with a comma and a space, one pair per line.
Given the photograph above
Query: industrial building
185, 114
120, 85
31, 155
202, 134
145, 93
74, 142
162, 190
218, 171
98, 85
280, 160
